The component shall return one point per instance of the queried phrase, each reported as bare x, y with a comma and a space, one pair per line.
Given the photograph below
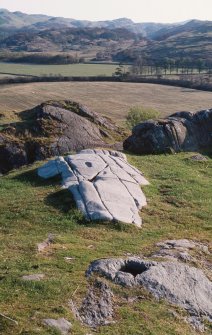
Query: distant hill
66, 39
11, 21
118, 40
190, 40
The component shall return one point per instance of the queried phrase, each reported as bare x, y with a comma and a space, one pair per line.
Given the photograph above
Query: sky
95, 10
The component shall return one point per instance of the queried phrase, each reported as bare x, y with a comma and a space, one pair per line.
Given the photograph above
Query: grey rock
97, 306
177, 244
180, 249
62, 325
196, 323
198, 157
179, 284
104, 185
34, 277
181, 131
45, 244
55, 128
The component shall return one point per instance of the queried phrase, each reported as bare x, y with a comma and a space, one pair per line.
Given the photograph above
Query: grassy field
111, 99
64, 70
179, 206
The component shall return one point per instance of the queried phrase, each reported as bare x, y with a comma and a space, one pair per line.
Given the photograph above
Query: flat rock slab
104, 185
35, 277
178, 283
62, 325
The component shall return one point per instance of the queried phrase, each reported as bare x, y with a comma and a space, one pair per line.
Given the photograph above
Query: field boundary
23, 79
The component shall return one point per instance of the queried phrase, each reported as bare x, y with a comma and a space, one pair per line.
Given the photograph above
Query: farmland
110, 99
64, 70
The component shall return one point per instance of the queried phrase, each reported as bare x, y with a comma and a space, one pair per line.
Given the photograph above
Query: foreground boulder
53, 128
183, 131
104, 185
178, 283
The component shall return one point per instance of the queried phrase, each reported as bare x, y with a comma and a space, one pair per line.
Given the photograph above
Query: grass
110, 99
64, 70
179, 206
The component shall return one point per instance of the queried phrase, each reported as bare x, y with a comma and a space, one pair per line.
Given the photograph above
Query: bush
139, 114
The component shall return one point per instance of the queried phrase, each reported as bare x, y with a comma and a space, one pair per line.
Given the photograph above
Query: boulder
183, 131
104, 185
53, 128
179, 284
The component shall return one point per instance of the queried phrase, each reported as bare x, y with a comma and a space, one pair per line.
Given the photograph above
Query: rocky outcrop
182, 131
104, 185
51, 129
97, 307
179, 284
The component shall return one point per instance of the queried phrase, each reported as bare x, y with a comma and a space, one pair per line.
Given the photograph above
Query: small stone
198, 157
34, 277
69, 259
43, 245
60, 324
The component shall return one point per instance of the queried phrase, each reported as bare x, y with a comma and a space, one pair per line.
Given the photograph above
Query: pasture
63, 70
110, 99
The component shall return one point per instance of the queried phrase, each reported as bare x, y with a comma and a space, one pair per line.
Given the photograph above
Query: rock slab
178, 283
183, 131
104, 185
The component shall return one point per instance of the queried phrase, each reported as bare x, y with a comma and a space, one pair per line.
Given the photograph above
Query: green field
64, 70
179, 206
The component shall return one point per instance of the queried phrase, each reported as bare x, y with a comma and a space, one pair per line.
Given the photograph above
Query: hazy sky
137, 10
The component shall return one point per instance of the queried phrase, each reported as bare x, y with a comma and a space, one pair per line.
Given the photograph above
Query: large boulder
53, 128
104, 185
183, 131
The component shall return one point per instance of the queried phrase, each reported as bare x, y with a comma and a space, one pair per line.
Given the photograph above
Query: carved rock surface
104, 185
183, 131
178, 283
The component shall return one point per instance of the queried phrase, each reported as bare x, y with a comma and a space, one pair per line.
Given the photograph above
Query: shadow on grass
61, 200
31, 177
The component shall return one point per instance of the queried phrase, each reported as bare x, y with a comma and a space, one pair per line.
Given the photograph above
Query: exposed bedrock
183, 131
179, 284
104, 185
54, 128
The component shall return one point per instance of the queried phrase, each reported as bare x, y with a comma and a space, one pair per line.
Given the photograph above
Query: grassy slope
110, 99
179, 206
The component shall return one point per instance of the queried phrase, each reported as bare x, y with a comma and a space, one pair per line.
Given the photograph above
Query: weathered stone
181, 131
97, 307
43, 245
62, 325
55, 128
179, 284
34, 277
103, 184
180, 250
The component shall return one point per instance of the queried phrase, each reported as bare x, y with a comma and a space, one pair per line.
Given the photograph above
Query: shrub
139, 114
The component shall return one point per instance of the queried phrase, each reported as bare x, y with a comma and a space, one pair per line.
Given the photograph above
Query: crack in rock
104, 185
